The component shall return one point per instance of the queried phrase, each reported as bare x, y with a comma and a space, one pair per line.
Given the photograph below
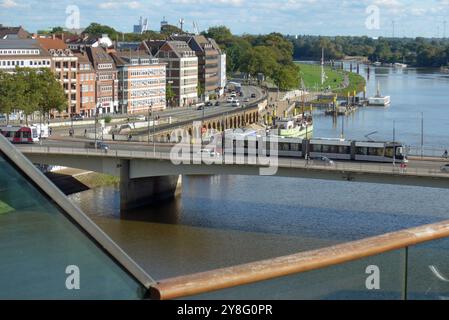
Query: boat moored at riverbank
379, 100
293, 127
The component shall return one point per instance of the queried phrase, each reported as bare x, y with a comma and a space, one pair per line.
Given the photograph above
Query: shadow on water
166, 212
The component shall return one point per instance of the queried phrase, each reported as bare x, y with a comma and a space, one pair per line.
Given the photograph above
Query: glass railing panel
428, 271
45, 255
379, 277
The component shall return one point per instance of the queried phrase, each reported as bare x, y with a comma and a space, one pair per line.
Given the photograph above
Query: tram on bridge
335, 149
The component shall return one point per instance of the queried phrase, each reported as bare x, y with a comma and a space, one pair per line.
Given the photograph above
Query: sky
410, 18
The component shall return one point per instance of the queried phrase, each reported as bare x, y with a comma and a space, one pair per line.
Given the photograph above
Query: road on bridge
424, 165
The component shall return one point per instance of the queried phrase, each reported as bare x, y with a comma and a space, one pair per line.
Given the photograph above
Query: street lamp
149, 115
96, 119
394, 143
422, 134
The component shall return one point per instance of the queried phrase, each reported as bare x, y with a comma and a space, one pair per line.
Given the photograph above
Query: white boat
377, 63
400, 65
293, 127
378, 100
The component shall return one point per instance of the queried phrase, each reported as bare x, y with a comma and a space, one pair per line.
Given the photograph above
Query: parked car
217, 103
445, 168
77, 117
253, 96
323, 161
235, 103
229, 100
209, 104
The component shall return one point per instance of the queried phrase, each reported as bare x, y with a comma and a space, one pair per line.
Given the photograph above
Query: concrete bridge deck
149, 163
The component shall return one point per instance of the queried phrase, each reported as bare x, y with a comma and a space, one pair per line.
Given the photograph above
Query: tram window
362, 151
333, 149
378, 152
26, 134
17, 134
285, 146
343, 150
316, 148
295, 147
389, 152
326, 149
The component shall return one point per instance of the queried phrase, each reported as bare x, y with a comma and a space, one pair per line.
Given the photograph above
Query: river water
226, 220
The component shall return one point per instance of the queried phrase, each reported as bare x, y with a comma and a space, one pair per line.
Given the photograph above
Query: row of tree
419, 52
270, 55
29, 91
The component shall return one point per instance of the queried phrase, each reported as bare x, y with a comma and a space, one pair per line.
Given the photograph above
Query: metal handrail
204, 282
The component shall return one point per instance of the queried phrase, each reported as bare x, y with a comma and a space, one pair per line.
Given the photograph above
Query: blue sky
325, 17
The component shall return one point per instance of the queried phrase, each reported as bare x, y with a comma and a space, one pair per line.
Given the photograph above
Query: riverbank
71, 181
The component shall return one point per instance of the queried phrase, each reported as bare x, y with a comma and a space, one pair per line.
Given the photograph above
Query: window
389, 152
38, 242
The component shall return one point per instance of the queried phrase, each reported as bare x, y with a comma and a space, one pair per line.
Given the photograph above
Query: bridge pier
135, 193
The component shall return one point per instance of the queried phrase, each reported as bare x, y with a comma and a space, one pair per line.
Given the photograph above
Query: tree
287, 77
221, 34
170, 94
260, 59
53, 96
30, 90
200, 90
98, 29
169, 29
11, 91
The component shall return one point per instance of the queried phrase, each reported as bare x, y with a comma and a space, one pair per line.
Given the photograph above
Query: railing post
405, 279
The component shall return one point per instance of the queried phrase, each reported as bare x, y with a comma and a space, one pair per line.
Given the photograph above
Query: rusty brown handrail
219, 279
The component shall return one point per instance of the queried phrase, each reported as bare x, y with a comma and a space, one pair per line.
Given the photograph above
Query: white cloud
8, 4
119, 5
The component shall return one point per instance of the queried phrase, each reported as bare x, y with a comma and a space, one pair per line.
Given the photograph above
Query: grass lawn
4, 208
311, 75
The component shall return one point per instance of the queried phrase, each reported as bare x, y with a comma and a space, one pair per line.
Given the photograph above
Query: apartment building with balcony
142, 82
86, 85
106, 88
182, 68
23, 53
208, 54
65, 67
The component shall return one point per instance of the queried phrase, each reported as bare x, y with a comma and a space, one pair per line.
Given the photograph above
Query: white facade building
222, 78
24, 53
